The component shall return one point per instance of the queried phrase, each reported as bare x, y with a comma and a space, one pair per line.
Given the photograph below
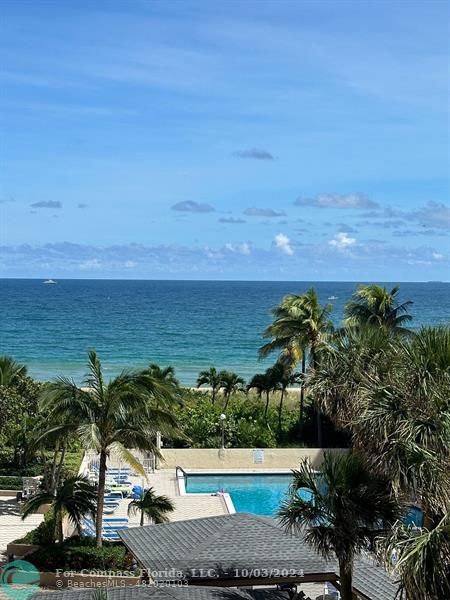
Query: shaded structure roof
174, 592
242, 549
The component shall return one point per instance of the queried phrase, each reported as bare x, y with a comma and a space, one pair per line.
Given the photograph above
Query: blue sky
225, 140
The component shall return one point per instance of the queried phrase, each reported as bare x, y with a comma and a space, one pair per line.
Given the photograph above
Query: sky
254, 140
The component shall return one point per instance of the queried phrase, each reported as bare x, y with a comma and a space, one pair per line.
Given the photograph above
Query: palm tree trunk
267, 404
302, 397
53, 472
100, 498
59, 534
227, 399
213, 394
315, 362
280, 411
345, 579
142, 517
60, 466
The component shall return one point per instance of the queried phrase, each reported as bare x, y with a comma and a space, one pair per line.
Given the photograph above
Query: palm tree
211, 378
350, 507
404, 422
111, 417
230, 383
301, 326
422, 560
152, 506
282, 377
392, 394
263, 383
352, 357
166, 385
10, 371
375, 305
75, 498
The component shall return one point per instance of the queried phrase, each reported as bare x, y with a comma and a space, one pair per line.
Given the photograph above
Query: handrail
177, 469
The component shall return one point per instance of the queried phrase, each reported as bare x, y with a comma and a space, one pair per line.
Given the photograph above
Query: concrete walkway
11, 525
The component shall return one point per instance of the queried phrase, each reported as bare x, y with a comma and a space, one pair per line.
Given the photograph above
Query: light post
223, 418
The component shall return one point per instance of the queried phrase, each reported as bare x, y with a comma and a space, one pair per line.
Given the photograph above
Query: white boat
332, 297
49, 281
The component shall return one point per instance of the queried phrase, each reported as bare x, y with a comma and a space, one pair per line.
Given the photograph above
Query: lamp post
223, 418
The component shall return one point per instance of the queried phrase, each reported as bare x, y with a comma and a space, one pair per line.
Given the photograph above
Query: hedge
76, 554
10, 483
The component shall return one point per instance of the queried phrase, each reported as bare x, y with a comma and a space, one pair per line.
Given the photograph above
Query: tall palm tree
75, 498
152, 506
211, 378
376, 305
350, 507
111, 417
301, 325
282, 377
230, 383
10, 371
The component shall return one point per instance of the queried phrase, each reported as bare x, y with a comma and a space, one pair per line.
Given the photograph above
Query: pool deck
238, 471
189, 506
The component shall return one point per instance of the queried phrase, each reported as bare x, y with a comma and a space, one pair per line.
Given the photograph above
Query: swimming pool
262, 494
257, 494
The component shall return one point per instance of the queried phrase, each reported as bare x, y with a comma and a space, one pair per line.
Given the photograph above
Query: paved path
11, 525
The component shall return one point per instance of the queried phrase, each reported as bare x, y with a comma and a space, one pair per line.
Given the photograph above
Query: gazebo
243, 550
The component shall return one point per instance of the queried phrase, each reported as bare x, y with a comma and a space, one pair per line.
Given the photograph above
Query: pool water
263, 494
257, 494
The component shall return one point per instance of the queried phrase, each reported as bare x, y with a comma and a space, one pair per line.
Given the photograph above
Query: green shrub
10, 483
81, 553
43, 534
245, 426
14, 471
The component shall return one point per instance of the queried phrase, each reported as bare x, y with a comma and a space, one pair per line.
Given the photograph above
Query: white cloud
90, 264
342, 241
337, 201
283, 243
243, 248
438, 256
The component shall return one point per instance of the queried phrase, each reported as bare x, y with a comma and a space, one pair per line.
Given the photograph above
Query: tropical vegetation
151, 506
74, 499
117, 416
373, 383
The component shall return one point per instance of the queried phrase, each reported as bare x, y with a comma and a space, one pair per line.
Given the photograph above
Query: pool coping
182, 491
180, 476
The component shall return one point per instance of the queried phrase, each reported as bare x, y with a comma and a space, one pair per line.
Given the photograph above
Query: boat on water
332, 297
49, 281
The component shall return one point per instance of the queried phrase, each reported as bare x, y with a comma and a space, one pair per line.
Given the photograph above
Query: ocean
191, 325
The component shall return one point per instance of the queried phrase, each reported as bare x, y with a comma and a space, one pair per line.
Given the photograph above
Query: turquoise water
262, 494
258, 494
191, 325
